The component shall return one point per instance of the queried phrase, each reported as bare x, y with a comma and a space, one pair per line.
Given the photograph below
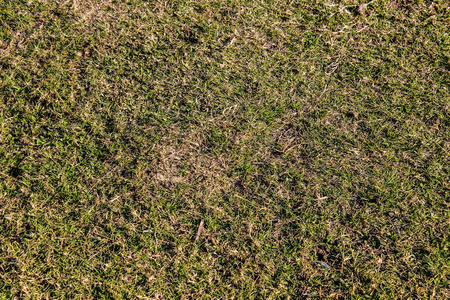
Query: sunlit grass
312, 139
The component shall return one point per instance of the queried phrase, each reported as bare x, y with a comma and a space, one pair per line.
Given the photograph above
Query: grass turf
312, 137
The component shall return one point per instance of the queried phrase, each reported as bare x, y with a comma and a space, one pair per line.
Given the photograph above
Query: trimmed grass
312, 137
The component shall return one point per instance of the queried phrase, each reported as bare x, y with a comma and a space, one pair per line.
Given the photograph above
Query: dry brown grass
311, 140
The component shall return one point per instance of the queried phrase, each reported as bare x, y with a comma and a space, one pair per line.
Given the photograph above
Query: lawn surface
311, 137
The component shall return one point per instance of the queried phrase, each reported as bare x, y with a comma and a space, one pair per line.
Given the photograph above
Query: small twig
199, 231
324, 264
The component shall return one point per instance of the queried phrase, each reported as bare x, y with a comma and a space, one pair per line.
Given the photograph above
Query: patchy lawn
311, 140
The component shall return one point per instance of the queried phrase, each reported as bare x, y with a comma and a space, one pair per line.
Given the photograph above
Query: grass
312, 137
